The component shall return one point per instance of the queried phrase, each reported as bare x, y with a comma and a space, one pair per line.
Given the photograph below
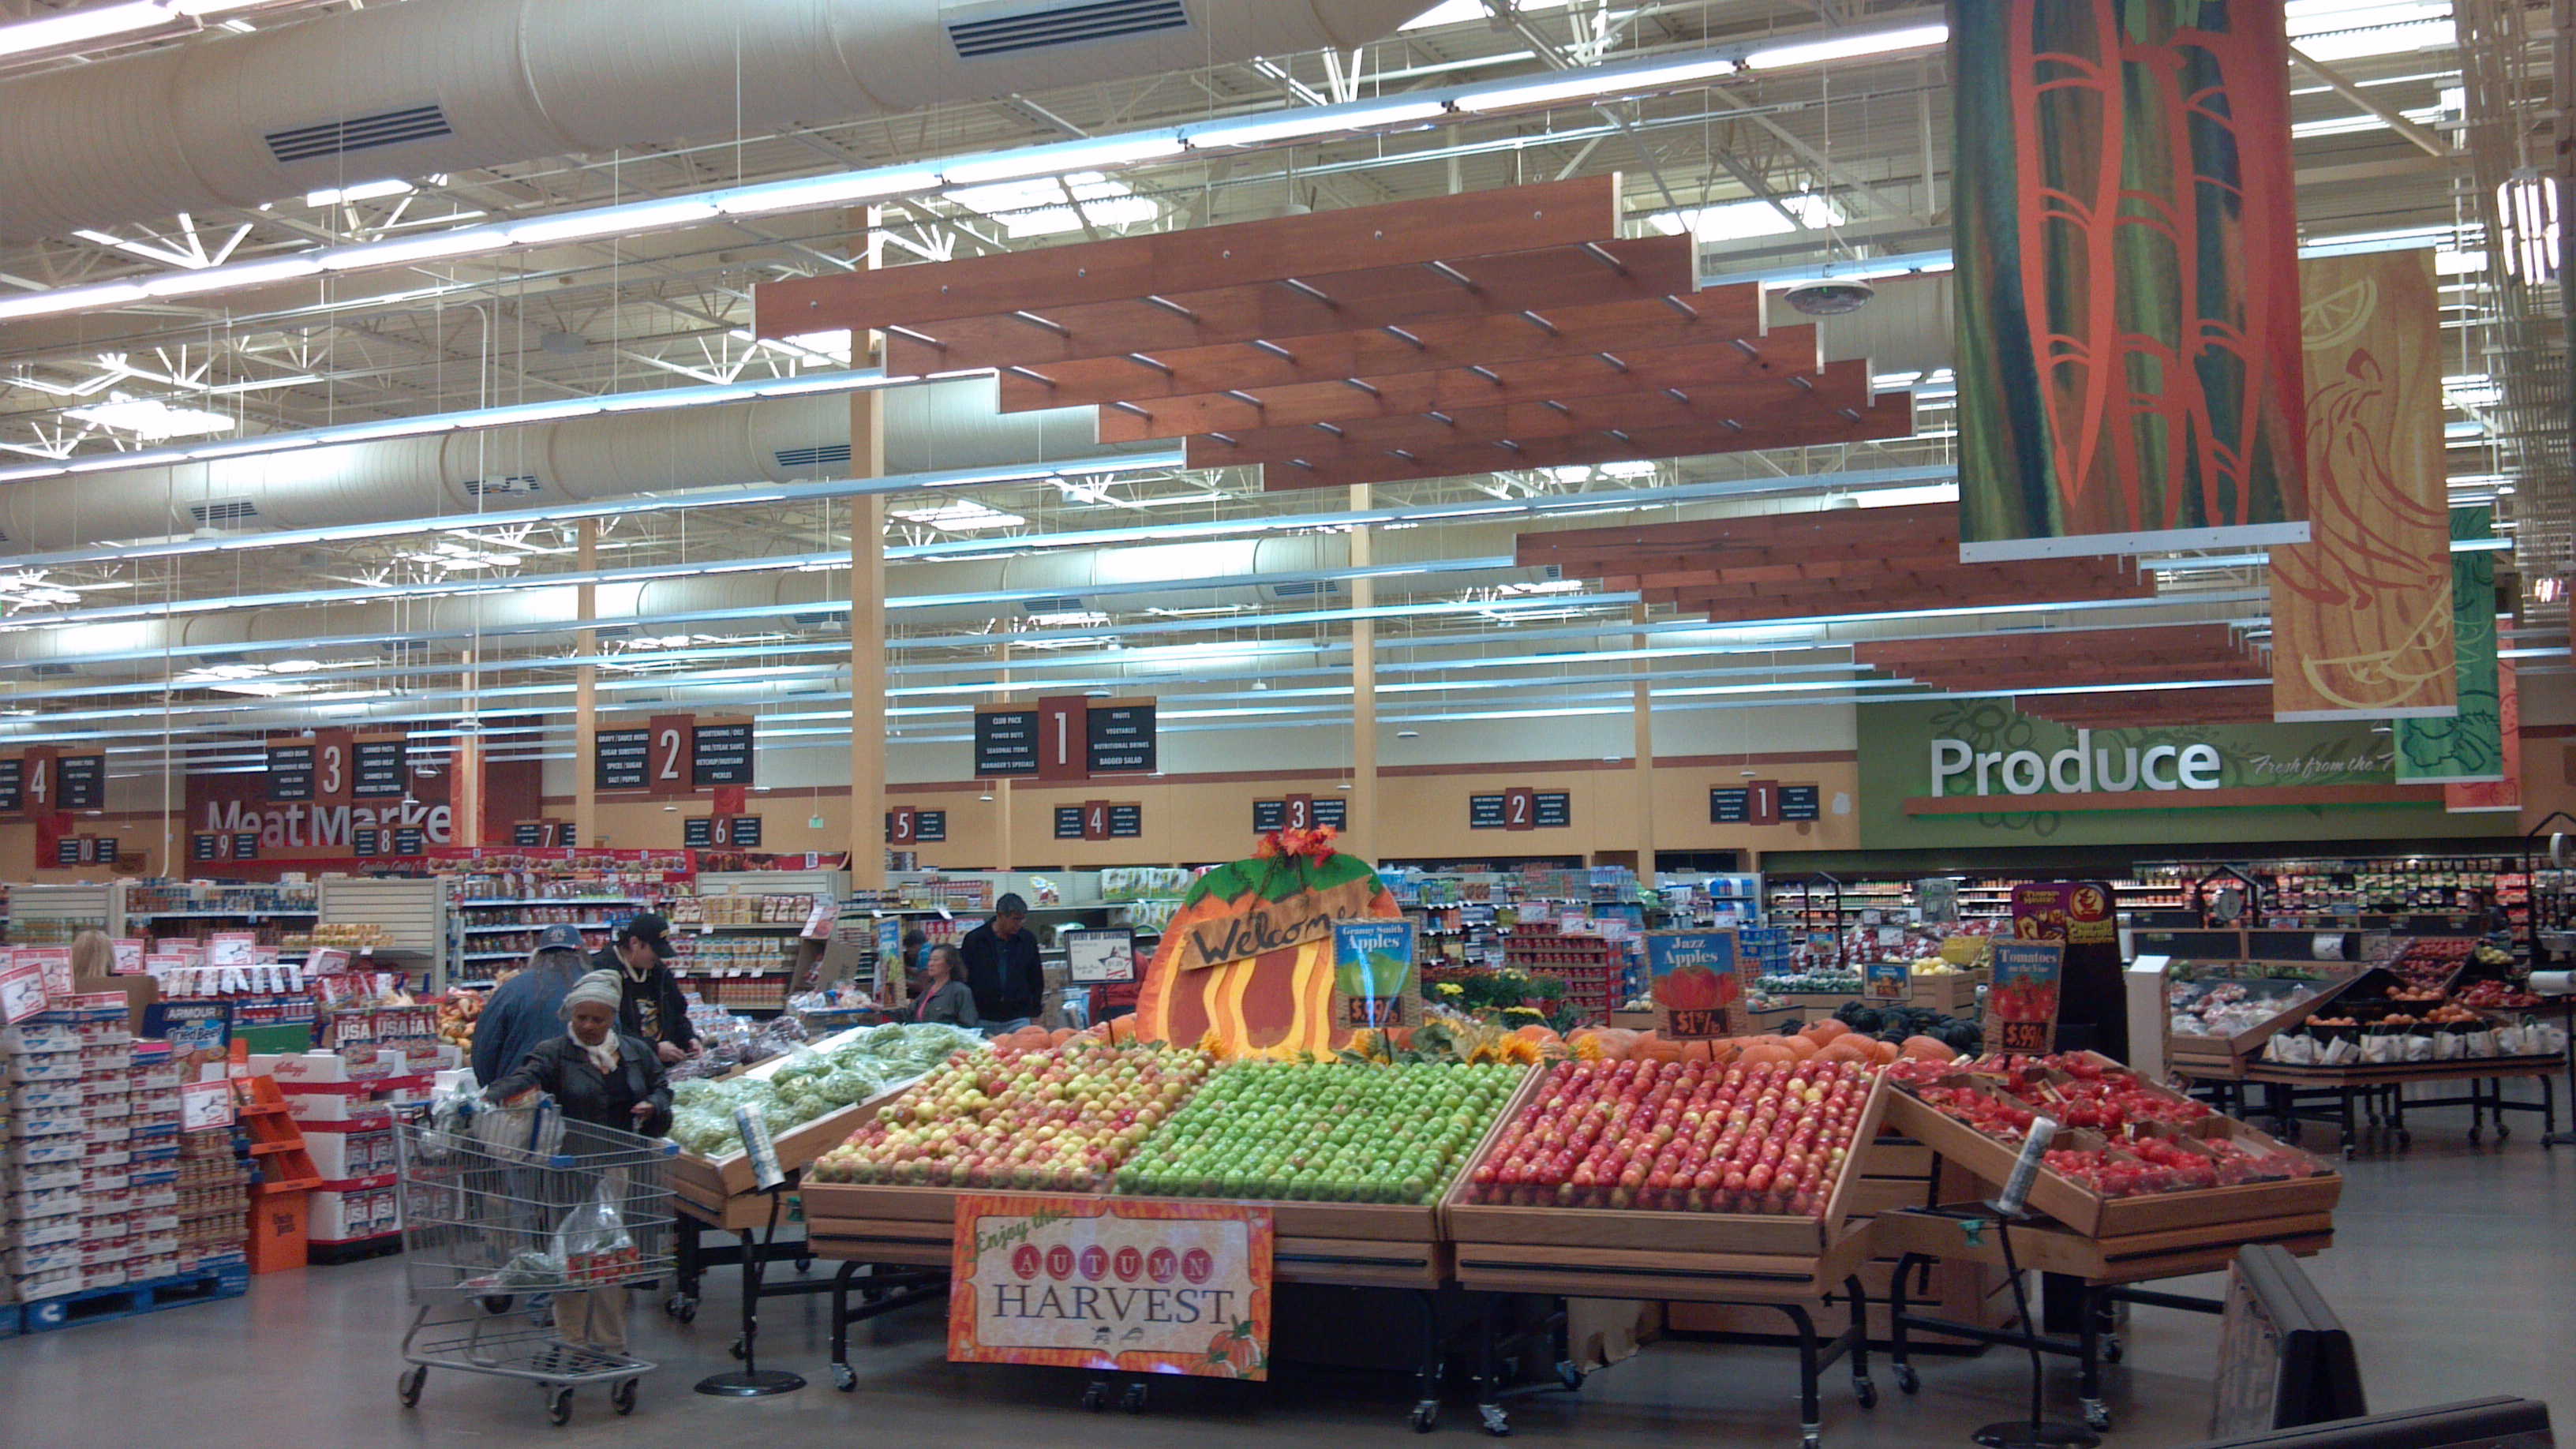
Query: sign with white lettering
1698, 985
1959, 768
1122, 1285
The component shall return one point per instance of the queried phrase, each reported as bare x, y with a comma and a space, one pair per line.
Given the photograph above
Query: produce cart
501, 1202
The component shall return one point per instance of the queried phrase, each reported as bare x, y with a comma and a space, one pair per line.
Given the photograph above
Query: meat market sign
328, 830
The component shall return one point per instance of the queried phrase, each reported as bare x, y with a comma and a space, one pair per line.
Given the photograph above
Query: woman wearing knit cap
601, 1077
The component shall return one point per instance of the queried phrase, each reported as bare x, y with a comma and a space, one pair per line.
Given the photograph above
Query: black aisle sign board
1801, 802
1006, 742
1555, 809
528, 834
1485, 812
930, 825
208, 845
290, 772
1335, 812
698, 832
1730, 807
621, 759
382, 770
365, 841
1068, 822
13, 785
1269, 815
720, 754
746, 832
1120, 738
70, 850
410, 840
81, 782
1126, 822
245, 845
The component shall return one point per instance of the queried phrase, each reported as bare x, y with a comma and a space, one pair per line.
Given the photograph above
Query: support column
465, 771
585, 696
1362, 838
1005, 848
867, 653
1645, 712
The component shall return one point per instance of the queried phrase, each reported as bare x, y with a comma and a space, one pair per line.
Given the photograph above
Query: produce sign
1324, 1132
2021, 1011
1249, 954
1698, 984
1374, 973
1058, 1119
1680, 1137
1112, 1285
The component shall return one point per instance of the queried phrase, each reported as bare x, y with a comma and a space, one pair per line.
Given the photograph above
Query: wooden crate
709, 1181
2228, 1056
2082, 1210
1948, 995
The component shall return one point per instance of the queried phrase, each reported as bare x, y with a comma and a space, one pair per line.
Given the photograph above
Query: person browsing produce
654, 1009
1002, 967
607, 1078
522, 1013
944, 995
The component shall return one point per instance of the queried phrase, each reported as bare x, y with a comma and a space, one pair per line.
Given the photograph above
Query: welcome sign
1119, 1285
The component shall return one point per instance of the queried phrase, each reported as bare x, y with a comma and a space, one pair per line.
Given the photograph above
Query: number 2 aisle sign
1112, 1284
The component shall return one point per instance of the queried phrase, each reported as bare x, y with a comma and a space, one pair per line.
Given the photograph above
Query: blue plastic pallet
98, 1305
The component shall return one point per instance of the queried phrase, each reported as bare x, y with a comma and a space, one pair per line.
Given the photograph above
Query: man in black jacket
654, 1009
1002, 968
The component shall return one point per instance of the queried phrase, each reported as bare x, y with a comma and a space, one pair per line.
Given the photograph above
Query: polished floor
2455, 1270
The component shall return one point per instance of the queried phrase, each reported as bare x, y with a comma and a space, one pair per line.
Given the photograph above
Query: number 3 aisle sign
1118, 1285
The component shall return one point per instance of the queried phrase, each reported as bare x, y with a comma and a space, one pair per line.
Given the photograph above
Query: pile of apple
1057, 1119
1324, 1132
1679, 1136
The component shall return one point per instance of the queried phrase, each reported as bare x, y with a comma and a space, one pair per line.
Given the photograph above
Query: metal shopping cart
499, 1202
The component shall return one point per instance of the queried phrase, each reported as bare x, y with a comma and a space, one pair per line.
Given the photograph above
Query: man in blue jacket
522, 1012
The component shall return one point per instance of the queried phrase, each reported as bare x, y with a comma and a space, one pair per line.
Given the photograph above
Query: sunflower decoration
1587, 1048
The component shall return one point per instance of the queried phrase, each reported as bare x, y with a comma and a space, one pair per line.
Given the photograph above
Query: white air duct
451, 85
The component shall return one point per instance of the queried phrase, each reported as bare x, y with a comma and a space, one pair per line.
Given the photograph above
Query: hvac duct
452, 85
939, 425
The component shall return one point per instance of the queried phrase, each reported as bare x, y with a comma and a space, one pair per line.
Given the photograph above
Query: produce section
1323, 1132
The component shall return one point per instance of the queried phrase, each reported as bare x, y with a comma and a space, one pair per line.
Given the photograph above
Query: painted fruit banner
2496, 796
2361, 613
2467, 748
1249, 955
1697, 982
2021, 1008
2128, 287
1121, 1285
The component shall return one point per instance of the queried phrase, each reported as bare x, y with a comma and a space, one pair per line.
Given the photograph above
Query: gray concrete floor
2454, 1268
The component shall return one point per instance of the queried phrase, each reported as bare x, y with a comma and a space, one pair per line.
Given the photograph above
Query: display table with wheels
2353, 1098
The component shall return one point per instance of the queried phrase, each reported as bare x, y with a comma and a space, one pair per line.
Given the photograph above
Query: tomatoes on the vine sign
2021, 1009
1121, 1285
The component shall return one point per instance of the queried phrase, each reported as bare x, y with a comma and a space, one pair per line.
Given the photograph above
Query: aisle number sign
1116, 1285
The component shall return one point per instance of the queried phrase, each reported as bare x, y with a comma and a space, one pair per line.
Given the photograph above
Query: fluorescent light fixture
75, 299
824, 191
251, 274
1291, 125
1743, 220
95, 23
1579, 84
1066, 157
269, 443
611, 221
1460, 12
363, 191
2528, 203
414, 249
152, 418
1849, 47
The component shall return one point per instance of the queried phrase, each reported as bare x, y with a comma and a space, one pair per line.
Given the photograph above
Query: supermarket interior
1795, 721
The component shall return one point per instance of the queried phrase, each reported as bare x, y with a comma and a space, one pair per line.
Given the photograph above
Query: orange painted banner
1119, 1285
2361, 613
1249, 958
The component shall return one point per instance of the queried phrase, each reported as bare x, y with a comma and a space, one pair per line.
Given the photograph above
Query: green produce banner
2469, 747
2130, 368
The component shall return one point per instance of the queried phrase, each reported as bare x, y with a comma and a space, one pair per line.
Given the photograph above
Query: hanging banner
2129, 354
2468, 747
2361, 613
2496, 796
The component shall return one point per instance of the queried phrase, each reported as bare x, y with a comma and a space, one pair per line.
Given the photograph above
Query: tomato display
1679, 1137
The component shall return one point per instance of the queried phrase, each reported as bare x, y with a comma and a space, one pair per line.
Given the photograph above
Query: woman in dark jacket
599, 1076
944, 995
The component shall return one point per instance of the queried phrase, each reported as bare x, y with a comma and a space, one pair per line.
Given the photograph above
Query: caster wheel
2097, 1418
1095, 1397
1425, 1417
2347, 1152
409, 1387
1866, 1392
845, 1378
2503, 1131
739, 1349
559, 1408
2111, 1349
2473, 1136
1907, 1380
682, 1307
804, 1266
1133, 1401
2405, 1138
622, 1397
496, 1304
1570, 1376
1492, 1419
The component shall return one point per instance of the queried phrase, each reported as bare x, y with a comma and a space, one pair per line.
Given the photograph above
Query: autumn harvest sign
1120, 1285
1250, 955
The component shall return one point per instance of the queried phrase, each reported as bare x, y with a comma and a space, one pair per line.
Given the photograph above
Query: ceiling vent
1305, 589
817, 621
52, 671
1551, 572
516, 485
223, 512
1006, 30
1059, 604
821, 455
358, 133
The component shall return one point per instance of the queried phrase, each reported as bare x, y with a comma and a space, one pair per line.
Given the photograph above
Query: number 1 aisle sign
1113, 1284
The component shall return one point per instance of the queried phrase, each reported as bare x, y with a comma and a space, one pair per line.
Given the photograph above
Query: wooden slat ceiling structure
1802, 565
1465, 334
2190, 654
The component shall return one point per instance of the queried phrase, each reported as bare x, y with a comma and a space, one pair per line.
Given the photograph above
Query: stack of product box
211, 1189
344, 1101
48, 1153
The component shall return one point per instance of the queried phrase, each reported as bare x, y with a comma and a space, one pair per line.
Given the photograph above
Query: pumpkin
1695, 1051
1765, 1055
1927, 1049
1656, 1049
1825, 1031
1800, 1048
1060, 1036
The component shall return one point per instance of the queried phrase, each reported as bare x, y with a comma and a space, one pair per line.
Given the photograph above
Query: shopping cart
504, 1201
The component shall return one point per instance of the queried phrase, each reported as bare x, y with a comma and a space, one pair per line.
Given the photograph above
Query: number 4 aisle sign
1115, 1284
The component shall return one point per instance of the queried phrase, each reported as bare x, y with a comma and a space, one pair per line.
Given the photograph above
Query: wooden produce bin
872, 1223
719, 1190
1948, 995
2094, 1216
2227, 1057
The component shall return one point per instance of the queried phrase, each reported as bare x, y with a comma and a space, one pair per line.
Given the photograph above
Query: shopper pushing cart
556, 1187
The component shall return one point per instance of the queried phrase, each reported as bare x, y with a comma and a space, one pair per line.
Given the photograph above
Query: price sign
1119, 737
933, 826
1485, 812
1697, 983
204, 1106
1068, 822
1122, 1285
698, 832
1006, 742
1891, 980
13, 779
22, 992
1126, 822
245, 845
82, 782
1555, 809
290, 771
720, 753
1094, 957
2021, 1006
380, 768
1374, 972
621, 759
1729, 806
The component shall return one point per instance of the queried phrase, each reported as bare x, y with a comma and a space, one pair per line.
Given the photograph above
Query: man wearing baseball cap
654, 1008
521, 1016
